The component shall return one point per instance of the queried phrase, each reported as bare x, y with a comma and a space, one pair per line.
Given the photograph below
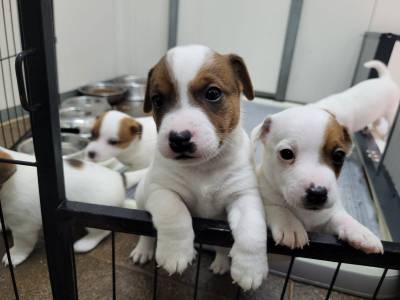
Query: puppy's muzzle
316, 197
180, 142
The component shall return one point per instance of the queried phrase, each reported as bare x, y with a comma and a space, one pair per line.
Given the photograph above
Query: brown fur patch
6, 169
96, 127
129, 129
159, 83
75, 163
336, 137
229, 74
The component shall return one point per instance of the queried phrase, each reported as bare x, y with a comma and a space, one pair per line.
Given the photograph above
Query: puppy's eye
338, 157
286, 154
157, 100
213, 94
113, 142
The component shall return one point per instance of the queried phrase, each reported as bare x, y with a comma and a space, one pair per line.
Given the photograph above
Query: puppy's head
304, 150
112, 133
194, 94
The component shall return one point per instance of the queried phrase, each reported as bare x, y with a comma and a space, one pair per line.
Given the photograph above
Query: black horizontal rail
18, 162
214, 232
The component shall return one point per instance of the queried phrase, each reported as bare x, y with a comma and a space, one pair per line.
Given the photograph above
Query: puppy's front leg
286, 229
249, 257
175, 234
356, 234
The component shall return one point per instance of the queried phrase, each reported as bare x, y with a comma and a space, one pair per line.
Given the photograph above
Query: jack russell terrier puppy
304, 149
84, 182
202, 165
131, 141
370, 102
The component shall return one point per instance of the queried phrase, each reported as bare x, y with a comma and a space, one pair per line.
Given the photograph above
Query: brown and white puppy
84, 182
304, 150
202, 164
130, 140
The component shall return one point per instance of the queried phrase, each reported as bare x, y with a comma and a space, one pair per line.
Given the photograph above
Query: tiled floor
136, 282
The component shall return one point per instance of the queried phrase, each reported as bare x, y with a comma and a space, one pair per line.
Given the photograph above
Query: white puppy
374, 101
116, 134
202, 165
84, 182
304, 150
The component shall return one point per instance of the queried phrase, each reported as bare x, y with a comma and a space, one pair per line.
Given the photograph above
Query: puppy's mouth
184, 157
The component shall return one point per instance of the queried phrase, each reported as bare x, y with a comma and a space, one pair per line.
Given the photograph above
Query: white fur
20, 201
137, 155
219, 181
366, 102
283, 186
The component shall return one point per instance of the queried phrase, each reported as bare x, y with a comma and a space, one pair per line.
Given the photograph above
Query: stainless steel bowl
136, 86
79, 113
72, 146
112, 92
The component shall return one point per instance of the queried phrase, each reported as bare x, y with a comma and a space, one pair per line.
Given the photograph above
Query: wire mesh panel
14, 122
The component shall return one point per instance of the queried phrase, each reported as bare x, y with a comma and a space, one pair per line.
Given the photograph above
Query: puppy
304, 150
116, 134
84, 182
374, 101
202, 165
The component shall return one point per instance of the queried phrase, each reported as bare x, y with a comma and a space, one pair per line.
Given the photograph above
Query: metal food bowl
77, 114
136, 86
112, 92
72, 146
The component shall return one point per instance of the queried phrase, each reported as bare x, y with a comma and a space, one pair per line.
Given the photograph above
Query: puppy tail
379, 66
132, 178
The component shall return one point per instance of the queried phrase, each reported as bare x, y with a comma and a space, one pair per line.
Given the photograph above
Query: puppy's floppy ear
347, 139
261, 130
259, 133
147, 107
240, 70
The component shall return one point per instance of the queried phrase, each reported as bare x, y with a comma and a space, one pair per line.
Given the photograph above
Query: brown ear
347, 139
242, 75
6, 169
147, 107
136, 129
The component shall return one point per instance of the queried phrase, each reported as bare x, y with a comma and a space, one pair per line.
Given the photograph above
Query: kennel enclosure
36, 72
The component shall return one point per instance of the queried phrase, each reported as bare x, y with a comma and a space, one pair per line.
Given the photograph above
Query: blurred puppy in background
84, 182
371, 102
129, 140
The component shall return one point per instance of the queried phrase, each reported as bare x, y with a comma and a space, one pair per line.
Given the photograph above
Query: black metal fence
37, 80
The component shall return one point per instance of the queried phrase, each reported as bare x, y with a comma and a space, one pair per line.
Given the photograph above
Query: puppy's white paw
248, 269
142, 253
360, 238
17, 257
290, 233
175, 256
220, 264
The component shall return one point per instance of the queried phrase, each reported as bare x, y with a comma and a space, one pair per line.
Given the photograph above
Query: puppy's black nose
179, 142
92, 154
316, 196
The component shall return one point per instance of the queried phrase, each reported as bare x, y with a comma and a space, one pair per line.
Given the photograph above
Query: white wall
254, 30
101, 39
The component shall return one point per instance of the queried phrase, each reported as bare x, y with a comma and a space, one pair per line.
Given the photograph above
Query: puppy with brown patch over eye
304, 149
202, 164
130, 140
